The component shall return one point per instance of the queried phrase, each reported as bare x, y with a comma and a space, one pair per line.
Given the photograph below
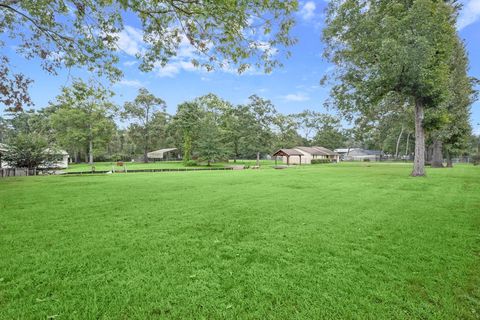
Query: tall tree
186, 121
83, 117
210, 147
143, 109
261, 113
401, 47
62, 33
286, 133
329, 132
457, 129
236, 129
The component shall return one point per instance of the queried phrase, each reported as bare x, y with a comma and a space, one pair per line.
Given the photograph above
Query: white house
305, 155
3, 149
61, 157
358, 154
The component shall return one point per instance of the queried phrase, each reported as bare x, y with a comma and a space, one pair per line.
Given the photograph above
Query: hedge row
320, 161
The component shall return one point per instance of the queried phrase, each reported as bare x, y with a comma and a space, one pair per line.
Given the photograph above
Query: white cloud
130, 40
470, 13
297, 97
131, 83
130, 63
308, 10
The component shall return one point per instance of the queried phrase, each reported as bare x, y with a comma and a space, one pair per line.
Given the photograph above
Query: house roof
288, 152
363, 152
56, 151
319, 151
326, 151
159, 153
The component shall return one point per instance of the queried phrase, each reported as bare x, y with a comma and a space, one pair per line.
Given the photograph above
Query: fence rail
17, 172
149, 170
22, 172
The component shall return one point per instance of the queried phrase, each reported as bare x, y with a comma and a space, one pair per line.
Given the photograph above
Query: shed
160, 154
288, 153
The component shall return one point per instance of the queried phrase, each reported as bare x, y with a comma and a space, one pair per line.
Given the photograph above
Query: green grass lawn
106, 166
363, 241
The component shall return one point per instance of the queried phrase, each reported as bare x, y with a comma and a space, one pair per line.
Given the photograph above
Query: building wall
306, 158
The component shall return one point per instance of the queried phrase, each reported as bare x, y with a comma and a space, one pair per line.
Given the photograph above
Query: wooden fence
150, 170
22, 172
17, 172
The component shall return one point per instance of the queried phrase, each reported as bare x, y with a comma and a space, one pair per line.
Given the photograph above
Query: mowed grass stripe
333, 241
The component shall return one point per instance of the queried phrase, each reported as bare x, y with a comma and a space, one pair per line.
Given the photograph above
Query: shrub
366, 160
191, 163
476, 159
320, 161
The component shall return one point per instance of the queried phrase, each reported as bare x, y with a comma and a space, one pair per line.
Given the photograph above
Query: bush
476, 159
320, 161
366, 160
191, 163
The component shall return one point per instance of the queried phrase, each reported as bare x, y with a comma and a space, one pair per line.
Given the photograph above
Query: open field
326, 241
103, 166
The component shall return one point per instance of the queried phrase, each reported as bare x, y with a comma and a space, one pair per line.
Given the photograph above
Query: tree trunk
437, 155
147, 137
419, 160
90, 152
235, 151
145, 155
449, 160
187, 147
258, 159
398, 143
75, 156
406, 148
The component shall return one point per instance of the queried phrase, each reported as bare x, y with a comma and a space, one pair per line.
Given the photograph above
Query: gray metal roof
318, 151
157, 154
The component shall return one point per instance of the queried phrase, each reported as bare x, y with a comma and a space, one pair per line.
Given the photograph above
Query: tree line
85, 122
401, 74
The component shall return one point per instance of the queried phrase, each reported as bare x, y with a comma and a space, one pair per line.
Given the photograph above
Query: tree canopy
387, 48
62, 33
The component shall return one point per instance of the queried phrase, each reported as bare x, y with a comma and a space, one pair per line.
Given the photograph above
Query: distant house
60, 162
358, 154
164, 154
3, 149
305, 155
61, 158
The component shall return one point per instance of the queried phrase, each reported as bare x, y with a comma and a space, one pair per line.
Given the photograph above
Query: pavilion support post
288, 160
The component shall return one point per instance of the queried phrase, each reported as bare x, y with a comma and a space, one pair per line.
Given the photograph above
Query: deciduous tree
62, 33
83, 117
401, 47
142, 111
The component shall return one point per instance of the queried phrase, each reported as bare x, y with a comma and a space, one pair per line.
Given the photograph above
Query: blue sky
293, 88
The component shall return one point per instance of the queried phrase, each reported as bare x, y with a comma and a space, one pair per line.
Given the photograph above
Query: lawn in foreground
336, 241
